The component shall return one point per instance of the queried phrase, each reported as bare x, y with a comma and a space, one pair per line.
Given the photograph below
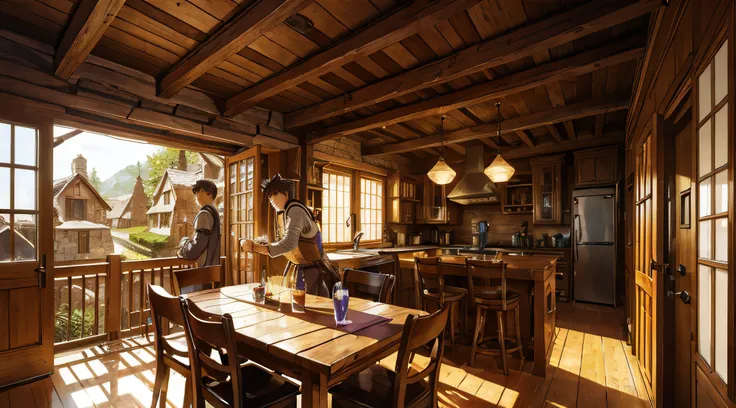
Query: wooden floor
591, 366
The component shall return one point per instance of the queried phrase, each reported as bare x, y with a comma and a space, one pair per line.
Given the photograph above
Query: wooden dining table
308, 346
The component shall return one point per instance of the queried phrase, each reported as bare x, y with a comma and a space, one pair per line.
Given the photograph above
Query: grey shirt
206, 239
297, 223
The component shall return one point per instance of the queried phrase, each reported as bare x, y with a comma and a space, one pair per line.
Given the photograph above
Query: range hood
475, 187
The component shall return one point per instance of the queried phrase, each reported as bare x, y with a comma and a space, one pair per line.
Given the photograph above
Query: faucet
356, 240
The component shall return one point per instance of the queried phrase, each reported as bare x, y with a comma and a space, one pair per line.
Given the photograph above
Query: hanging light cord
442, 136
498, 107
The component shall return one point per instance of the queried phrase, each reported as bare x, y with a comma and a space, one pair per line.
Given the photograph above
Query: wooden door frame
41, 357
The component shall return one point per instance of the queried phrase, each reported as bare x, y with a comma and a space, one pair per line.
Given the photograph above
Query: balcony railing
106, 301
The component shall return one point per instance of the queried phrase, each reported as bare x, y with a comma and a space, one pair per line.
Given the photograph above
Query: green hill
122, 182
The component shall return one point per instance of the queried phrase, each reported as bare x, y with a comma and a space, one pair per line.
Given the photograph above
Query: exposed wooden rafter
614, 53
525, 41
240, 31
609, 139
403, 23
66, 136
84, 31
519, 123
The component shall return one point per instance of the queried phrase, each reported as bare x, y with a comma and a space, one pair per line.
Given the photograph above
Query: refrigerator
594, 245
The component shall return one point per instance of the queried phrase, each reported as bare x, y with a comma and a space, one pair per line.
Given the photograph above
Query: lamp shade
441, 173
500, 171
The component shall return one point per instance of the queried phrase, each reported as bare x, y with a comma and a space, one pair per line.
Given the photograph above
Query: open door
26, 247
648, 252
243, 207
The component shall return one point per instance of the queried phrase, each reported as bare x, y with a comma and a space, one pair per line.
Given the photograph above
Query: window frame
355, 206
725, 387
82, 235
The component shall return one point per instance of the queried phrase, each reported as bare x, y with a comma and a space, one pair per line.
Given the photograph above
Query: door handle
684, 297
41, 270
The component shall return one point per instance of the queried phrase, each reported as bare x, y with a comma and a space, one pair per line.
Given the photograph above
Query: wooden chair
488, 296
368, 285
171, 351
230, 384
205, 276
403, 387
432, 287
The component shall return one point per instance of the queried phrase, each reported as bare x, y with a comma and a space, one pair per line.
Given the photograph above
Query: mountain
122, 182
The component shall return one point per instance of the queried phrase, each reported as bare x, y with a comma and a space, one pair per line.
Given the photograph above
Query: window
336, 200
75, 209
165, 220
167, 197
371, 208
713, 211
83, 242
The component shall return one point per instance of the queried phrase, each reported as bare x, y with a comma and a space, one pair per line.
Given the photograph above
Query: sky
106, 154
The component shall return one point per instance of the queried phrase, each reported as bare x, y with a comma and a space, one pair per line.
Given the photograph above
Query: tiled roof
183, 178
81, 225
59, 184
161, 208
118, 206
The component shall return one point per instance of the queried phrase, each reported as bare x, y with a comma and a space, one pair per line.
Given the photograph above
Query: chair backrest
168, 307
486, 275
214, 332
429, 274
208, 275
420, 332
367, 285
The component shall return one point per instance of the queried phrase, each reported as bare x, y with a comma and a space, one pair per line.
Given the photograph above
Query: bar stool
432, 287
489, 297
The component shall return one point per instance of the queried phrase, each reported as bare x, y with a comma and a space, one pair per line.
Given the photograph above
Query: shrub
75, 331
150, 240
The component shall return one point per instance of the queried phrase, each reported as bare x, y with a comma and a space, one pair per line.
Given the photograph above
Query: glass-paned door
26, 246
243, 212
713, 228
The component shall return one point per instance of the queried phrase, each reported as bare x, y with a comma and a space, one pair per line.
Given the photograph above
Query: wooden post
113, 297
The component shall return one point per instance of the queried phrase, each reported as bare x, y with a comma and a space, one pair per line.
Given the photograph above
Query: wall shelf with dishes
516, 195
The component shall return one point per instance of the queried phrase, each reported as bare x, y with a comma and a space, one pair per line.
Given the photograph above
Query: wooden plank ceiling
378, 71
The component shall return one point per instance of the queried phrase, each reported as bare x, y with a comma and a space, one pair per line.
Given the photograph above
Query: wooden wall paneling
86, 28
240, 31
4, 320
399, 25
544, 74
522, 42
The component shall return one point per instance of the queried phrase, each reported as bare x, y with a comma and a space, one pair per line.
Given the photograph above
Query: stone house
129, 210
175, 206
80, 214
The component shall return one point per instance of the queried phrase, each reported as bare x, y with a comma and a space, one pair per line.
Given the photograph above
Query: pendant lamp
499, 171
441, 173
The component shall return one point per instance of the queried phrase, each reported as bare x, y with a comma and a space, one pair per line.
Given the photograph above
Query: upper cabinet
596, 167
405, 194
437, 208
547, 189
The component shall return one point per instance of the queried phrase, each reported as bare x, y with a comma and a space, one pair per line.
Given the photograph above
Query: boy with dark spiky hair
204, 246
301, 239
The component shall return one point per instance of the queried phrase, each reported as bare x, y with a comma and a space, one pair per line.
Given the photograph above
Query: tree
94, 179
166, 158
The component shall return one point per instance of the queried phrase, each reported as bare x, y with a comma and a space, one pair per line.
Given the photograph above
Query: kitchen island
532, 275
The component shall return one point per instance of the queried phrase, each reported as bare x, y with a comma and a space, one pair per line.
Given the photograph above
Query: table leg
314, 390
540, 361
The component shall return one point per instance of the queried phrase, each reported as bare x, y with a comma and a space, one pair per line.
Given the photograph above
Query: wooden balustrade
114, 290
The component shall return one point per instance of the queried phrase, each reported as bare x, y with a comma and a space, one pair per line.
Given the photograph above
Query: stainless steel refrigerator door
595, 277
594, 219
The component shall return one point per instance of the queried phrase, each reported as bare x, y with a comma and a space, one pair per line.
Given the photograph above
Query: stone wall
66, 245
350, 149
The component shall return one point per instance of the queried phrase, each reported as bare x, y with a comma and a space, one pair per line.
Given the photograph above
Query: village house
129, 210
80, 216
175, 206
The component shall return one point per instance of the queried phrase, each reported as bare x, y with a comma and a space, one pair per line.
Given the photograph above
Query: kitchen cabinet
547, 189
437, 208
404, 203
516, 194
596, 167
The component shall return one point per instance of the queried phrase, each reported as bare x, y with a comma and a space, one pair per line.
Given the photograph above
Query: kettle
482, 234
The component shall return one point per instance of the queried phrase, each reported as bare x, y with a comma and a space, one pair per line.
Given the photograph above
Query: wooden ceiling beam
509, 126
66, 136
403, 23
523, 42
608, 139
84, 31
241, 30
525, 138
614, 53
